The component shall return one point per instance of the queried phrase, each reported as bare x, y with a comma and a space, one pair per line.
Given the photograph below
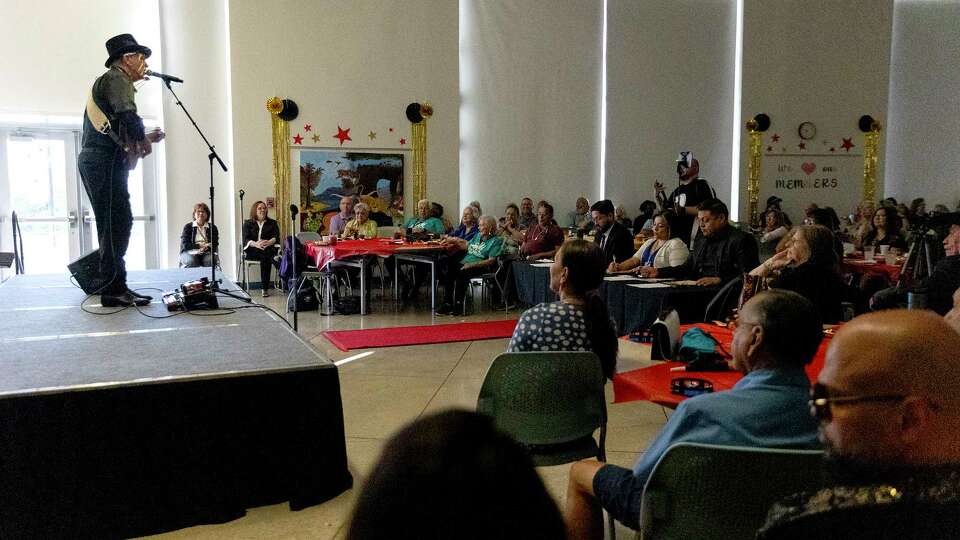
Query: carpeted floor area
346, 340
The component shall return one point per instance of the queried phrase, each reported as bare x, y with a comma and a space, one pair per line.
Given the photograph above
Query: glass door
43, 186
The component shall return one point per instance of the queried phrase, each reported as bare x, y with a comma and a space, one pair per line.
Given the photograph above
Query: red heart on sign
809, 167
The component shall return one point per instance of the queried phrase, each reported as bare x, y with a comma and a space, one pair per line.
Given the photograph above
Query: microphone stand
210, 157
293, 258
240, 241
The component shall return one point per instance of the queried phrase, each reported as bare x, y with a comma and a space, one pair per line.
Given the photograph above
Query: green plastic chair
550, 402
712, 491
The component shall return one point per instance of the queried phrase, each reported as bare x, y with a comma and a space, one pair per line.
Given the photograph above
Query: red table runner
384, 247
653, 383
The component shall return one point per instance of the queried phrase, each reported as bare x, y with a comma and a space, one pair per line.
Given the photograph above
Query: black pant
265, 257
456, 280
104, 176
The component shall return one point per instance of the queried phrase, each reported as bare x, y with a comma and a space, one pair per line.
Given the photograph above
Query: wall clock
807, 130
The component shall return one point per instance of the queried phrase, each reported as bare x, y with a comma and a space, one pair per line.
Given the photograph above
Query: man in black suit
614, 239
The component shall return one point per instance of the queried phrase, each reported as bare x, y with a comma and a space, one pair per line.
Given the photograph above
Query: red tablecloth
857, 266
383, 247
653, 383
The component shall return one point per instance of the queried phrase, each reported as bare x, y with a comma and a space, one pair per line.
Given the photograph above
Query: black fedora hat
118, 46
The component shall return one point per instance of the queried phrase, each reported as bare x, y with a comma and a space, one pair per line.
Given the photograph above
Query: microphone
293, 211
168, 78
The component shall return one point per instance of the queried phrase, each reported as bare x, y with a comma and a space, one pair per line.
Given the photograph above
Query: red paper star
297, 139
769, 149
307, 127
343, 135
832, 149
403, 141
847, 144
390, 130
776, 138
802, 146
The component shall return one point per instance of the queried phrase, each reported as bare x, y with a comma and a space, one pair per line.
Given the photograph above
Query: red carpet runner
346, 340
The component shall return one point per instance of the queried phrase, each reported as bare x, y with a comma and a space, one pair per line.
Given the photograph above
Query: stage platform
117, 424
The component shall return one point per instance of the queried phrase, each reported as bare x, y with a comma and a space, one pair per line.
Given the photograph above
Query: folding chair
710, 491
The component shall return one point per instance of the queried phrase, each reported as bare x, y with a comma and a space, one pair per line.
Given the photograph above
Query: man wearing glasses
777, 334
889, 411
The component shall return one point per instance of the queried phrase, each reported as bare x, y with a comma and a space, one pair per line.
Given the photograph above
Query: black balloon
290, 111
413, 113
866, 123
763, 122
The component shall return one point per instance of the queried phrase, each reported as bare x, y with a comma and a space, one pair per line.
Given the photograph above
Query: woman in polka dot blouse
580, 320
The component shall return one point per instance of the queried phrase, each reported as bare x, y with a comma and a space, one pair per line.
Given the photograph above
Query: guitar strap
96, 115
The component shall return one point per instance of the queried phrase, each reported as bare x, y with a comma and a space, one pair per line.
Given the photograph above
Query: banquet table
853, 265
653, 383
634, 303
355, 253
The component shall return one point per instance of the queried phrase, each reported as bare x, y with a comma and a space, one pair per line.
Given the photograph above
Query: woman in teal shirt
481, 258
423, 222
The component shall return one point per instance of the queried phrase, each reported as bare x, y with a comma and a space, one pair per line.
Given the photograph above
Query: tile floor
393, 386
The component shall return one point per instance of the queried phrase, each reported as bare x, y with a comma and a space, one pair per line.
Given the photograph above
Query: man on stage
113, 140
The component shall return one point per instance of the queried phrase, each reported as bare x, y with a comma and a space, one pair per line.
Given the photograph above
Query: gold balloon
426, 109
275, 105
752, 125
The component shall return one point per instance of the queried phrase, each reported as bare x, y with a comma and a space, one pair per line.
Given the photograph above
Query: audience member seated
339, 221
527, 217
808, 267
436, 210
620, 214
918, 208
260, 236
643, 223
580, 219
579, 321
196, 240
481, 257
720, 253
361, 226
953, 316
776, 335
774, 203
863, 222
774, 229
424, 222
615, 241
828, 218
542, 240
454, 475
938, 287
660, 251
510, 232
467, 228
889, 416
685, 200
885, 231
476, 204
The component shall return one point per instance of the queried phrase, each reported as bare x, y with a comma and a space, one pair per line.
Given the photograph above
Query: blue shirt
463, 232
767, 408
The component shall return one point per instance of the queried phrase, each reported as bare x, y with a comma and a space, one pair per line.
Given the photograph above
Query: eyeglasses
820, 401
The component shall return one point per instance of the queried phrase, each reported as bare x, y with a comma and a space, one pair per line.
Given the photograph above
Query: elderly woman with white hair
361, 225
424, 222
481, 257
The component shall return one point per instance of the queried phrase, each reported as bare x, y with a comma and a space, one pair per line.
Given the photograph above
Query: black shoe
122, 300
445, 309
134, 293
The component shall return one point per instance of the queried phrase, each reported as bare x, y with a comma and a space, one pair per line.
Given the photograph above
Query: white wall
530, 116
670, 79
195, 48
821, 61
354, 64
923, 132
53, 50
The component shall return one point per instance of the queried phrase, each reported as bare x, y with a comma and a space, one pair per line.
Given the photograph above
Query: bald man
889, 412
